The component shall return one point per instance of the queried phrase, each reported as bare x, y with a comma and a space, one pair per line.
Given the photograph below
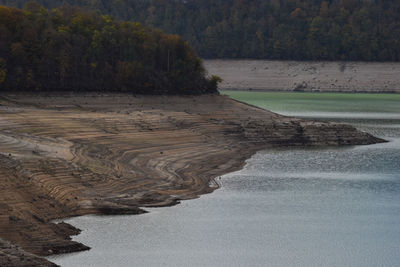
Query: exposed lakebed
307, 76
287, 207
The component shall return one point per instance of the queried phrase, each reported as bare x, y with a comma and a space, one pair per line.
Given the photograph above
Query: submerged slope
70, 155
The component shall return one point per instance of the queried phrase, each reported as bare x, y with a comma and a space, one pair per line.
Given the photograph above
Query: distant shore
307, 76
63, 156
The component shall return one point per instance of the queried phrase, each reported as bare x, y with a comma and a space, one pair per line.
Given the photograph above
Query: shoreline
113, 154
317, 92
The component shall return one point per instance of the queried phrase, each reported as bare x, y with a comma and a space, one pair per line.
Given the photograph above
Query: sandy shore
70, 155
267, 75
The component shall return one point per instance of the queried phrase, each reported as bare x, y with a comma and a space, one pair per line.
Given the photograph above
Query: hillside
67, 49
266, 29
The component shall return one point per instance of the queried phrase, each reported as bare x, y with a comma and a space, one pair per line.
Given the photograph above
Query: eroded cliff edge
69, 155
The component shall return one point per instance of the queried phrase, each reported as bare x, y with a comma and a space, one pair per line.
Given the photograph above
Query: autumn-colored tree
69, 49
3, 72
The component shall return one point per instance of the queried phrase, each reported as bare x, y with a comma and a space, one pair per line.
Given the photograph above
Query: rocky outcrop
70, 155
11, 255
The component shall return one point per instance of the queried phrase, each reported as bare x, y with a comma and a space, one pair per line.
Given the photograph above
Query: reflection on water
301, 207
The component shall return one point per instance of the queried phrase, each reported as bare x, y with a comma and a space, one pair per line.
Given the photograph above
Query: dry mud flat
70, 155
269, 75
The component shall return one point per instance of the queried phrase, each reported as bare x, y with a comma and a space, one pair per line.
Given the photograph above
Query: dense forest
68, 49
268, 29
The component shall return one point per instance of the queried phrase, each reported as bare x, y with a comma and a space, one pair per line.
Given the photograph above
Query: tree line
366, 30
67, 49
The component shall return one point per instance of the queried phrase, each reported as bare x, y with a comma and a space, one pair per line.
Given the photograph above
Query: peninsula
76, 154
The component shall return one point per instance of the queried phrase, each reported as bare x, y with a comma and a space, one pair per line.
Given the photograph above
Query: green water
321, 102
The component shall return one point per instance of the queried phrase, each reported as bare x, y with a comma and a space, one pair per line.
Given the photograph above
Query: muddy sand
267, 75
71, 155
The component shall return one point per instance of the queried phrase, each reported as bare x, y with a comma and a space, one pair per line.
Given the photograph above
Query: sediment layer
70, 155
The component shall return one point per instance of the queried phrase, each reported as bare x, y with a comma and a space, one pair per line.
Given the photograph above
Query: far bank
307, 76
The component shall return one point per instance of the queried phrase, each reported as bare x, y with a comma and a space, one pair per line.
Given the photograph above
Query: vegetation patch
266, 29
67, 49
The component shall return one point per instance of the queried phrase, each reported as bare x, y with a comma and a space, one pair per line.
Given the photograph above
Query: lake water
287, 207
